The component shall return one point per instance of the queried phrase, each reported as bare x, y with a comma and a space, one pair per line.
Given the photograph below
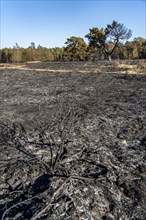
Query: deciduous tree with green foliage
111, 35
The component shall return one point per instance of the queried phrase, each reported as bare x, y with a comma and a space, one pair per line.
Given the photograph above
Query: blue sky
50, 23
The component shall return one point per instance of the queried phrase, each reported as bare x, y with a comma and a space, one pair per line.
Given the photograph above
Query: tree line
32, 53
109, 43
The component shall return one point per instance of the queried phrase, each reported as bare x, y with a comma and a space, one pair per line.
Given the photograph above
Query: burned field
73, 142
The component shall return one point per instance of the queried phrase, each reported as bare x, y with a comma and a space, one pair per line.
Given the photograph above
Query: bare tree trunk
109, 58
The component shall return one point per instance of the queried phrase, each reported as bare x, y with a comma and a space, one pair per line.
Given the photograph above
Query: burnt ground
73, 143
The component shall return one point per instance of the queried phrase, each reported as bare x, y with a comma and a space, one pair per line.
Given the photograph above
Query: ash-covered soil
73, 144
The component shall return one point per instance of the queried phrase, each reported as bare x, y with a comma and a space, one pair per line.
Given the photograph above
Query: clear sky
50, 23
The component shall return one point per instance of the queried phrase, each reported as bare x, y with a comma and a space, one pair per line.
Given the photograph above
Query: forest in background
104, 43
135, 49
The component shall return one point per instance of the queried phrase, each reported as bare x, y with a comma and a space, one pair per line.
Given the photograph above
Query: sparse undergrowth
72, 168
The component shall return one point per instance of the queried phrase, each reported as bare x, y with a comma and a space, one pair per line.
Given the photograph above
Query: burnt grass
73, 144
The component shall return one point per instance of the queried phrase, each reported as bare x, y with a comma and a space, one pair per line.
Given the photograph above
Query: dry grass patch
11, 66
24, 67
114, 67
140, 67
115, 63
